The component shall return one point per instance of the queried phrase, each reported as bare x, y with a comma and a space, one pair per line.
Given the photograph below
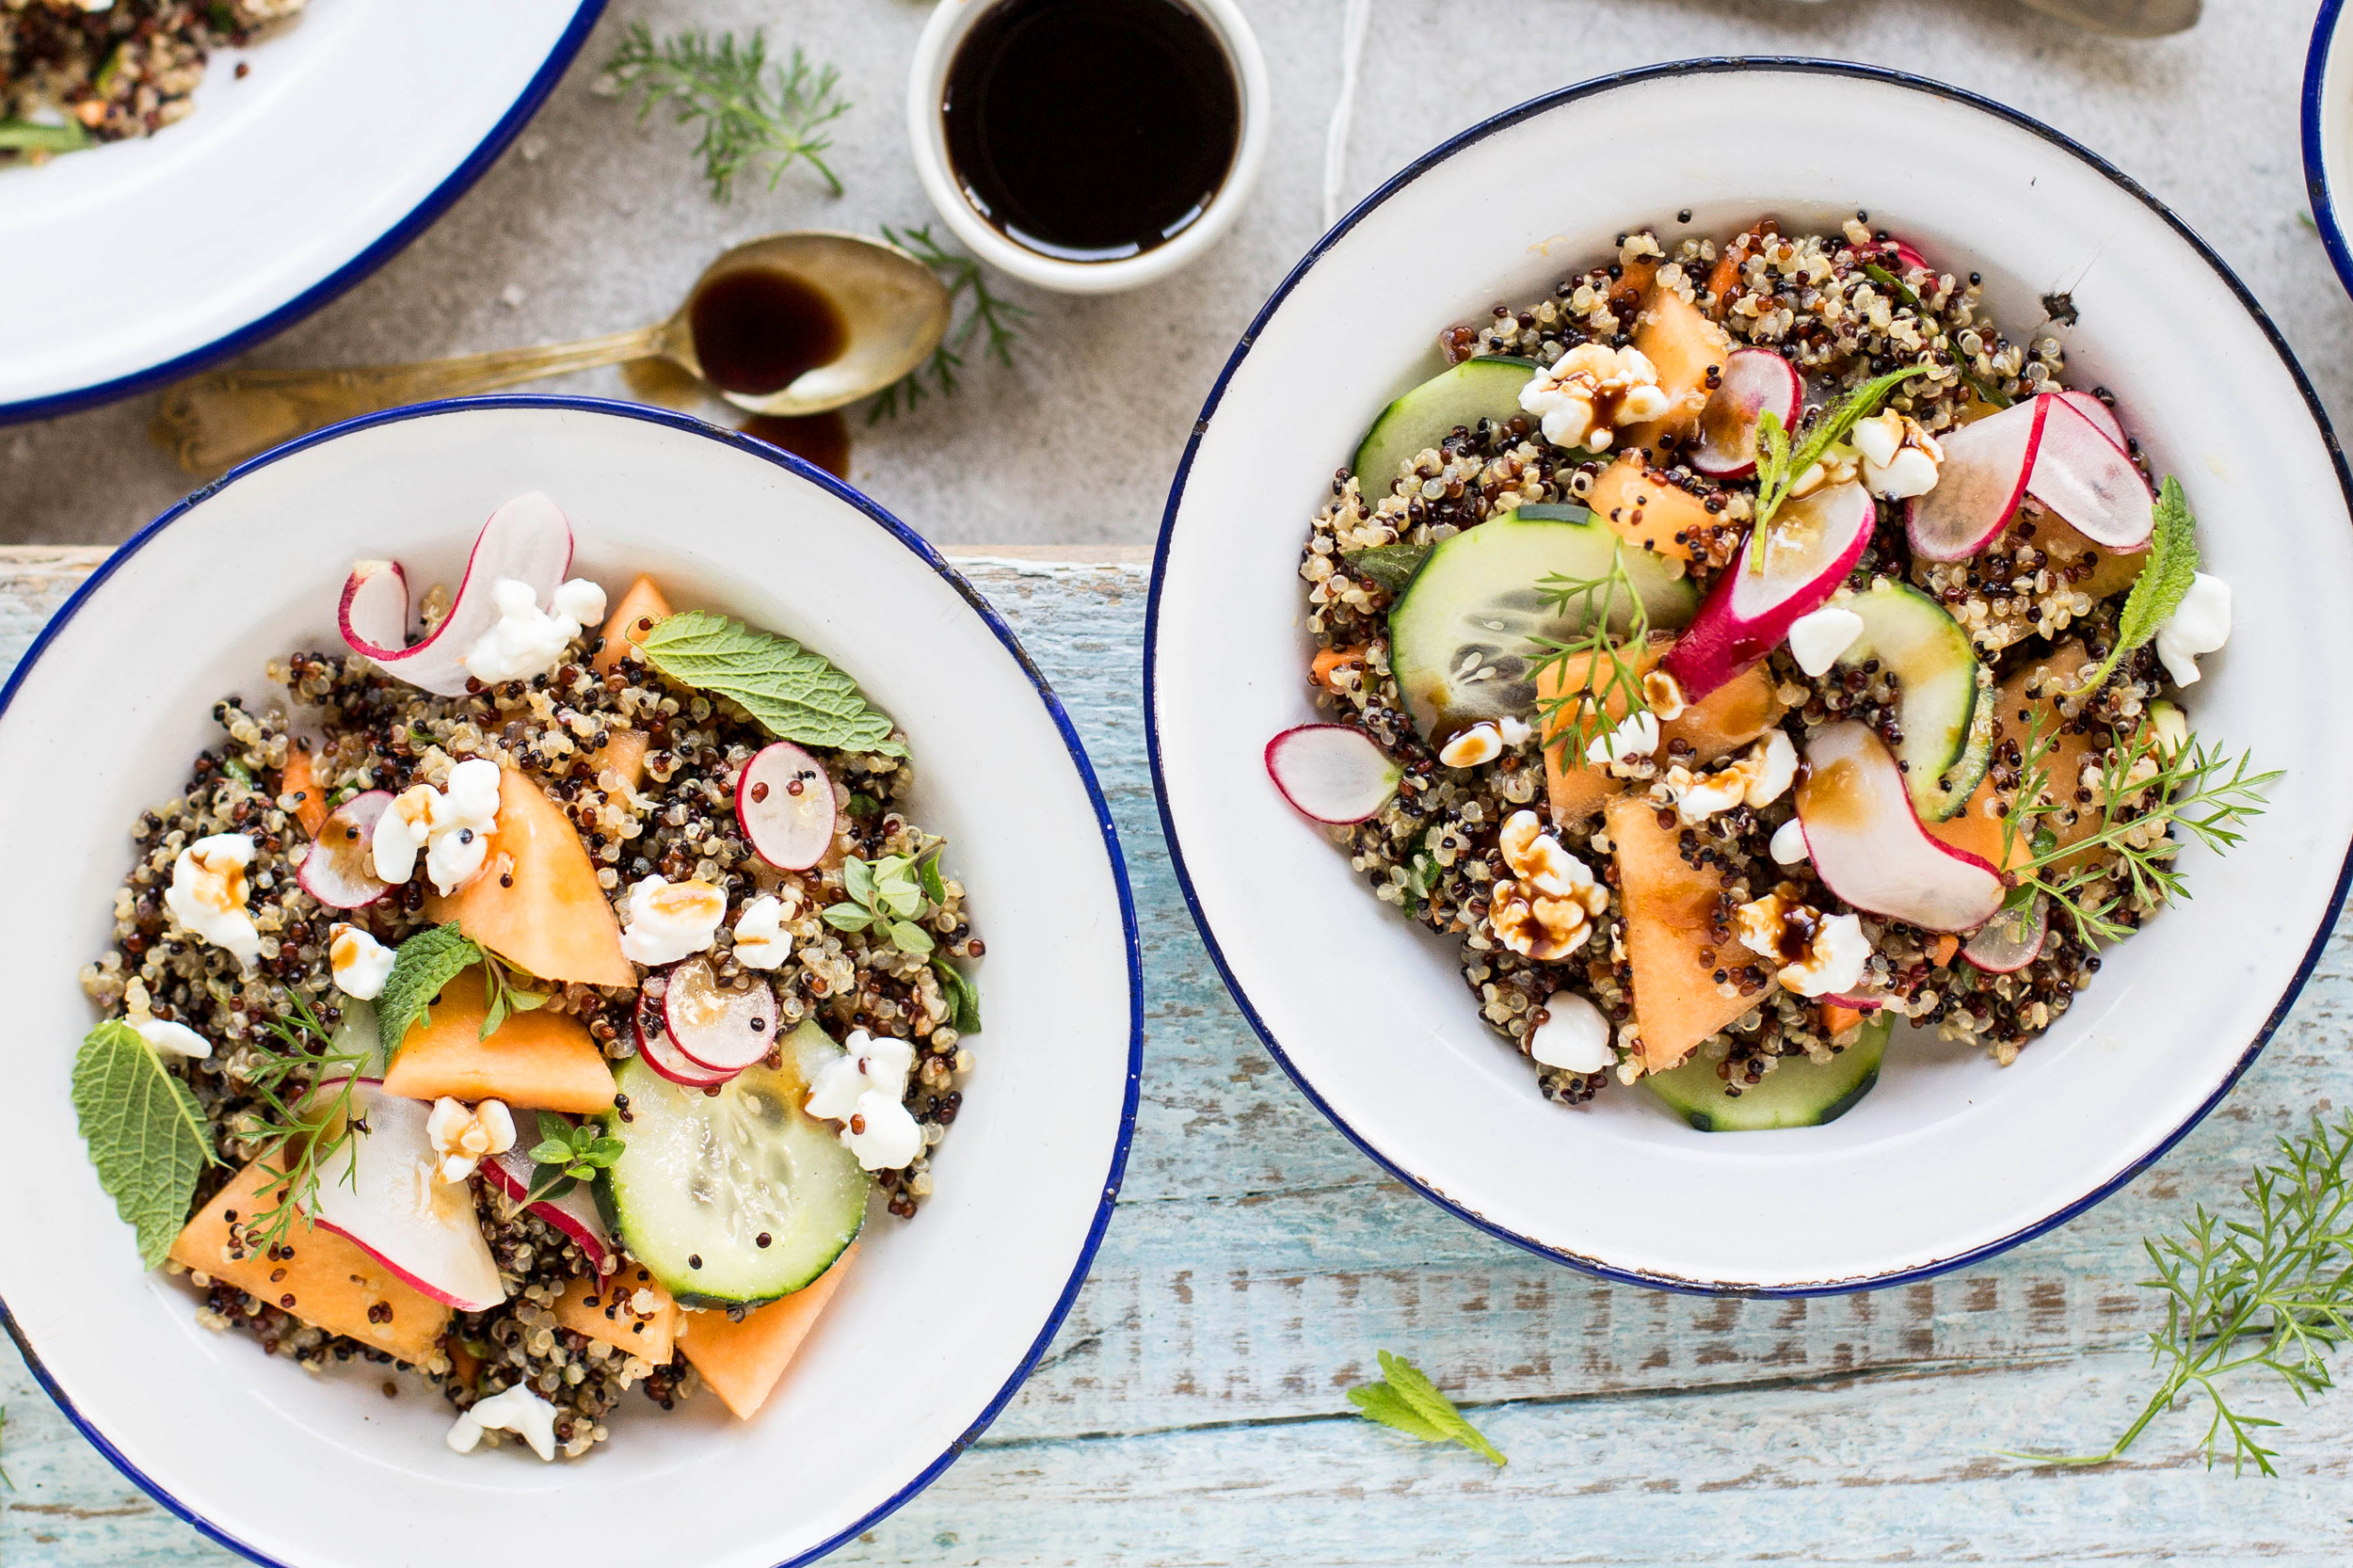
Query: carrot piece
1941, 951
1331, 661
1837, 1019
297, 779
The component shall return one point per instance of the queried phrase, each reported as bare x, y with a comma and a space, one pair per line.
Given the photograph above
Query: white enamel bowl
2327, 131
357, 125
1950, 1157
943, 1315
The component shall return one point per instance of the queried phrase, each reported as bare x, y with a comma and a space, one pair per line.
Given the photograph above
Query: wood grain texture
1193, 1409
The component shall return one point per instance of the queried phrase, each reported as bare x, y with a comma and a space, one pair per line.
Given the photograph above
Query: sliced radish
1813, 543
384, 1198
526, 539
2084, 476
2012, 939
1861, 1001
2096, 412
1979, 483
340, 870
575, 1214
1334, 772
662, 1053
1907, 258
717, 1026
1868, 844
784, 804
1754, 380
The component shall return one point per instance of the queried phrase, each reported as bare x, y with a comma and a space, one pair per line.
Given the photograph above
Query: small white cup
927, 129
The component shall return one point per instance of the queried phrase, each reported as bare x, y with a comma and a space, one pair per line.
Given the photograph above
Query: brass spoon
893, 310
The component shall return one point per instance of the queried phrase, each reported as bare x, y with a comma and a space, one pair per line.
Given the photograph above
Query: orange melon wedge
1671, 939
641, 606
743, 1361
318, 1276
1682, 345
1648, 511
536, 902
605, 1309
1719, 724
536, 1061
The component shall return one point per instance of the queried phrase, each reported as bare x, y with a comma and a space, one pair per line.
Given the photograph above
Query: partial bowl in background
2328, 132
944, 1316
1950, 1157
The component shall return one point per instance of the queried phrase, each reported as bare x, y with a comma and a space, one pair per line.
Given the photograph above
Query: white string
1354, 22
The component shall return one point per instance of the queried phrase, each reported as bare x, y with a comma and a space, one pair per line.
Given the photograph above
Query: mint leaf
796, 695
1407, 1400
145, 1133
964, 996
2164, 581
421, 966
1391, 565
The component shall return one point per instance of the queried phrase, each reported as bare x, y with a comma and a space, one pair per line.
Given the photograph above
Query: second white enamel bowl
1950, 1157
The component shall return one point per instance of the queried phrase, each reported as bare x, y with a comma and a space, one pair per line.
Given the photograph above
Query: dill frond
753, 113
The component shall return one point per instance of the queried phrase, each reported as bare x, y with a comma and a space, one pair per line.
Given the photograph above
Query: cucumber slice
1799, 1091
1942, 684
704, 1176
1479, 594
1464, 395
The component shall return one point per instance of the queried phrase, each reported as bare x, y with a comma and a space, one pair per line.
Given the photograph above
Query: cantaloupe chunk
606, 1310
625, 754
536, 902
1978, 828
1727, 719
641, 606
1670, 938
299, 779
1644, 510
743, 1361
536, 1061
1684, 346
318, 1276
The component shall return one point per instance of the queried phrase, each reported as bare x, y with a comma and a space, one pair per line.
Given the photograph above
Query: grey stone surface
591, 223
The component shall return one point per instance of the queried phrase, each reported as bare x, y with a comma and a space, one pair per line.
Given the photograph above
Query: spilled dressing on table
821, 439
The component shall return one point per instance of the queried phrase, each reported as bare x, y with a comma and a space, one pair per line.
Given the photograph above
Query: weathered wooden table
1193, 1409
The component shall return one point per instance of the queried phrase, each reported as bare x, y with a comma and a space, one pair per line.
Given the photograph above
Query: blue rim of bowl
1708, 66
921, 549
381, 249
2315, 161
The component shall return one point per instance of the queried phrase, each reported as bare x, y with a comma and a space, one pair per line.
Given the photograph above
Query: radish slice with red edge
340, 868
1979, 483
1906, 258
2012, 939
717, 1026
526, 539
1815, 542
1754, 380
1869, 847
1858, 1001
2096, 412
663, 1055
382, 1195
575, 1214
1334, 772
2085, 478
784, 804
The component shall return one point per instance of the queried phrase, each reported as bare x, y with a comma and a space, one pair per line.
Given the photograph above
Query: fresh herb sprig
1591, 671
1779, 465
306, 1089
23, 135
2164, 581
566, 1155
985, 313
753, 114
2272, 1292
794, 693
884, 895
146, 1134
1406, 1399
1986, 391
2195, 787
501, 984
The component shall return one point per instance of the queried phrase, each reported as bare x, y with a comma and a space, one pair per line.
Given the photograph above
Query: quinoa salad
76, 72
1752, 644
533, 1004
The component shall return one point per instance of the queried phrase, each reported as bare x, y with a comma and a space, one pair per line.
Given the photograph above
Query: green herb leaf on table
964, 995
1406, 1399
984, 311
752, 113
421, 965
795, 694
1390, 566
2268, 1294
2164, 581
146, 1134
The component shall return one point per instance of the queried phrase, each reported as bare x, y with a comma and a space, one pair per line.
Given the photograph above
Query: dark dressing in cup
1091, 130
